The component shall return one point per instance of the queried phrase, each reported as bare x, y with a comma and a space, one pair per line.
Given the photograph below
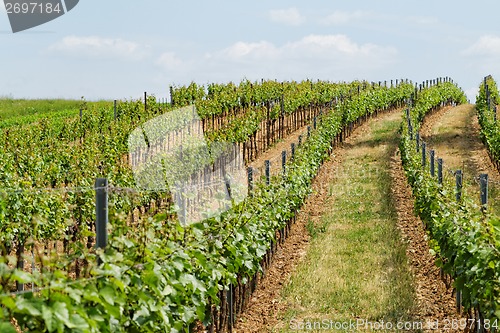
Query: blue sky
119, 49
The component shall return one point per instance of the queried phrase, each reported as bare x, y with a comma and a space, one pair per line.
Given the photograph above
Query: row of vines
463, 236
486, 105
61, 153
154, 275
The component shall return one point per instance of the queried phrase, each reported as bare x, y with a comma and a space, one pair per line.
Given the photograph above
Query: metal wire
35, 290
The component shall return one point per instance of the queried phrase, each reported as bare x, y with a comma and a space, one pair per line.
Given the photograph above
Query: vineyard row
463, 235
154, 274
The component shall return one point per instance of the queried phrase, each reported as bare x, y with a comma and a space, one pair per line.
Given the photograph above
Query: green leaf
108, 294
48, 318
141, 315
119, 284
9, 302
7, 328
92, 296
21, 276
186, 279
28, 307
78, 322
61, 312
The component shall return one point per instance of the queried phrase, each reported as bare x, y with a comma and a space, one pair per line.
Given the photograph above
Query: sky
118, 49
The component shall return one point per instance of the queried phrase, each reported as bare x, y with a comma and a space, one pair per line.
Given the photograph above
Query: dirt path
266, 306
270, 311
454, 134
273, 154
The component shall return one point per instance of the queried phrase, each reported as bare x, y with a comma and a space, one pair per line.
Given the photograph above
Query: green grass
356, 266
21, 111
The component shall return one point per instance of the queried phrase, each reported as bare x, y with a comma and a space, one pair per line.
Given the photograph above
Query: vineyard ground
454, 134
274, 152
356, 251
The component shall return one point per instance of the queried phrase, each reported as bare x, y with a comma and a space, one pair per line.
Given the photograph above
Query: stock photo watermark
27, 14
170, 152
363, 325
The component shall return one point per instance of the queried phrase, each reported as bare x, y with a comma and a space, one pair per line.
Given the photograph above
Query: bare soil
454, 133
273, 154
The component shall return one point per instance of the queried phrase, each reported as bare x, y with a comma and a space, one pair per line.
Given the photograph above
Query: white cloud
169, 61
99, 47
241, 50
331, 45
290, 16
312, 46
332, 57
343, 17
486, 46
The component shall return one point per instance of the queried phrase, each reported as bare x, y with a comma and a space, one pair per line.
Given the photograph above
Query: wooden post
417, 139
440, 171
250, 179
20, 263
282, 117
101, 213
458, 183
483, 182
423, 154
230, 301
283, 161
267, 164
432, 153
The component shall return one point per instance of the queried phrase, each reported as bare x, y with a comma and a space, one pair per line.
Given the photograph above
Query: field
22, 111
321, 208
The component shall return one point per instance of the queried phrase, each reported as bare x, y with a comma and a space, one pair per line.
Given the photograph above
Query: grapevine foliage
155, 275
464, 240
